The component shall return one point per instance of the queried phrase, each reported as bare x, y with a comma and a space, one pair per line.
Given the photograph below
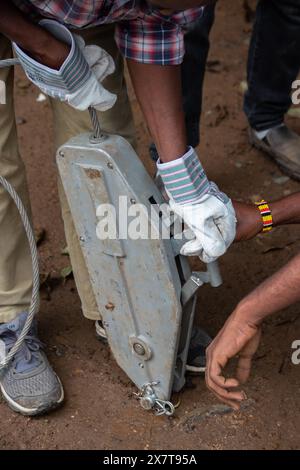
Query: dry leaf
39, 235
294, 112
66, 272
65, 251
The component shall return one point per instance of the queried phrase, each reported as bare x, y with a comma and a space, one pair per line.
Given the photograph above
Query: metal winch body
144, 289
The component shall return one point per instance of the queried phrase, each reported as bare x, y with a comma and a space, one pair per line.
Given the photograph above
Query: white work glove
207, 211
213, 222
78, 81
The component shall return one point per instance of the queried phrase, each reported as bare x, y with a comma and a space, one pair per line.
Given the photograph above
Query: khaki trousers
15, 262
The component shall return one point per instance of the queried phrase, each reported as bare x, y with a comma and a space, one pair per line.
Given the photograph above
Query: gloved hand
213, 222
78, 81
207, 211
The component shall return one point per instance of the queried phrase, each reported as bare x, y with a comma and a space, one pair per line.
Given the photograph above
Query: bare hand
237, 337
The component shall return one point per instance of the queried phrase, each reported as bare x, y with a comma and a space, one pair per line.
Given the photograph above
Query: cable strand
35, 299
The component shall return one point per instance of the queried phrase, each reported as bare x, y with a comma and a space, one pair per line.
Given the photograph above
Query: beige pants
15, 262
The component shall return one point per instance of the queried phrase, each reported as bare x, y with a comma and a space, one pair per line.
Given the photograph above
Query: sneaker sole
195, 370
100, 335
33, 411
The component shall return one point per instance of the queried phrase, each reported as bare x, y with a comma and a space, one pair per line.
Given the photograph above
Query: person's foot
196, 360
100, 332
153, 153
29, 385
283, 146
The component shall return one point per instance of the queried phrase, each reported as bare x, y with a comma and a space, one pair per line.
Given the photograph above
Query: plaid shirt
143, 33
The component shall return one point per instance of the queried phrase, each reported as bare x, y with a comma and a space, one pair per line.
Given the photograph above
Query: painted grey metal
144, 289
141, 286
8, 63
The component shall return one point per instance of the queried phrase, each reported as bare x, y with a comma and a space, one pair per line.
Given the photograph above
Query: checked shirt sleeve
153, 38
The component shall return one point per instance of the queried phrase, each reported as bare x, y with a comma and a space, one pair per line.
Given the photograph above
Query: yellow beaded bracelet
266, 215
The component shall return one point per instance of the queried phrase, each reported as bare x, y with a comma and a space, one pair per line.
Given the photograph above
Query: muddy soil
100, 411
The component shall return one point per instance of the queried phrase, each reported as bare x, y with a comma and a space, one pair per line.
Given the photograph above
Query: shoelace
28, 356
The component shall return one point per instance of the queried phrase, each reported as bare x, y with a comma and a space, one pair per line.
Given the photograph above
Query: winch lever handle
9, 63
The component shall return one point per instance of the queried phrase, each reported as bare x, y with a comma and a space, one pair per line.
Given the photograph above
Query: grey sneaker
28, 384
100, 332
283, 146
196, 360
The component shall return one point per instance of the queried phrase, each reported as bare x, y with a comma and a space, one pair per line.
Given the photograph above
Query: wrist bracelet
266, 215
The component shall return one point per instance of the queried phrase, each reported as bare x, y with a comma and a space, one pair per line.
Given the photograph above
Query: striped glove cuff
73, 74
184, 179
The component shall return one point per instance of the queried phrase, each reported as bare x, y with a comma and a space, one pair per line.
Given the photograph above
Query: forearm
286, 210
158, 90
276, 293
41, 45
15, 26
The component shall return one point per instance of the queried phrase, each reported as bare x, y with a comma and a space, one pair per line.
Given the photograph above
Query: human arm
241, 333
284, 211
158, 90
192, 197
58, 62
39, 43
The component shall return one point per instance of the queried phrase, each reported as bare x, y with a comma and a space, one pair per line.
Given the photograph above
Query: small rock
41, 98
23, 84
281, 179
243, 86
59, 351
214, 66
256, 198
20, 121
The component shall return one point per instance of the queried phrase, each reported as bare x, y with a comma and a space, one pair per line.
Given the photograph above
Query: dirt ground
100, 411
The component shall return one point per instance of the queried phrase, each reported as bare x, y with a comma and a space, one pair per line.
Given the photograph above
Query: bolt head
139, 349
110, 165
